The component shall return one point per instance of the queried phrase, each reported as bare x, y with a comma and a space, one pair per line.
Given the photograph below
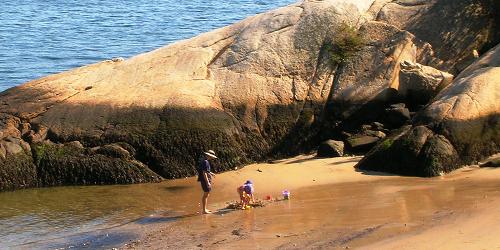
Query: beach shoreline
335, 206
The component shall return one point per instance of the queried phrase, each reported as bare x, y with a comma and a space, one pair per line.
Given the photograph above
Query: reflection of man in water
205, 178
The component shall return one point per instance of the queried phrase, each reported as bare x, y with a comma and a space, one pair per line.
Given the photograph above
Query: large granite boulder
242, 90
468, 111
418, 84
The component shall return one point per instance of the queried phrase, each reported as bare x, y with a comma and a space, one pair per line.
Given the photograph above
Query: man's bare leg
204, 201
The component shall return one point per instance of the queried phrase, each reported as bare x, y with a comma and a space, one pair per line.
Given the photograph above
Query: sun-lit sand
334, 206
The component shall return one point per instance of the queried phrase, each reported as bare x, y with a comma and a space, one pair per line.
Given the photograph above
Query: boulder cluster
412, 84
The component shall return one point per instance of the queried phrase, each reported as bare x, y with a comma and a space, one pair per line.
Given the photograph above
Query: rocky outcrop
372, 74
241, 90
406, 60
468, 111
418, 84
16, 164
453, 29
263, 87
43, 163
434, 33
461, 126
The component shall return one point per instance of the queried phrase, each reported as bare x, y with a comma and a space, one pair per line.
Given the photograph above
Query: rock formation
260, 88
461, 126
418, 84
331, 148
468, 111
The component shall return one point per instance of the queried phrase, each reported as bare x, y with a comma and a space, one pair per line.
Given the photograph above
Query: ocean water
42, 37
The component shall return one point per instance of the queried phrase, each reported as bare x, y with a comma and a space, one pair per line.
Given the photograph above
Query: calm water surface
41, 37
65, 216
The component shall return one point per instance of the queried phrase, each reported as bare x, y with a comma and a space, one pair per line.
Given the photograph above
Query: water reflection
48, 213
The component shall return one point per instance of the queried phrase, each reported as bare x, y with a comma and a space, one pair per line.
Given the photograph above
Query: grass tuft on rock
346, 43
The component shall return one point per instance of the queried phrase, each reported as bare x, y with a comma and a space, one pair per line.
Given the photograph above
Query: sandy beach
333, 205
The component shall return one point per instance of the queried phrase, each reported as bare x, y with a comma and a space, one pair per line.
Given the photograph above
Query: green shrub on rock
346, 42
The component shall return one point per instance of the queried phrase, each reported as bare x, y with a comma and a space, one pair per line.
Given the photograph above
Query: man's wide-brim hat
211, 153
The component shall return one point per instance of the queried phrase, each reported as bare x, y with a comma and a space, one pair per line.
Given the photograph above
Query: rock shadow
451, 27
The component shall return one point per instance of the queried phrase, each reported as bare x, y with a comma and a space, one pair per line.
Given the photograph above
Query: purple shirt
248, 188
204, 167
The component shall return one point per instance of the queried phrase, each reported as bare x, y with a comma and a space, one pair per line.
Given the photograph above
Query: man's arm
205, 175
207, 169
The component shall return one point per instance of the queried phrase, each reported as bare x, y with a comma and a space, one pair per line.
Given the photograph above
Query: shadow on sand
177, 188
375, 173
352, 159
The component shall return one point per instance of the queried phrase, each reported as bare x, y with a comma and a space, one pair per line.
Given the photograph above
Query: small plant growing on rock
386, 144
346, 42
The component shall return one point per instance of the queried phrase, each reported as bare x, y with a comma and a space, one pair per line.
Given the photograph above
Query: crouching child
246, 193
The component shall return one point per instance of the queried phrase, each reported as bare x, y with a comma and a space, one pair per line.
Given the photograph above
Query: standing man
205, 177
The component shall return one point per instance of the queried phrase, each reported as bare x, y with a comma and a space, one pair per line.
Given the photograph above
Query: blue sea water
42, 37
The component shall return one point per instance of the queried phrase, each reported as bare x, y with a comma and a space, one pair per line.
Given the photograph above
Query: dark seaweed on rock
60, 165
414, 151
17, 171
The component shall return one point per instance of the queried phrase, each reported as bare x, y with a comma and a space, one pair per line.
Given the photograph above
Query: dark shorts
206, 188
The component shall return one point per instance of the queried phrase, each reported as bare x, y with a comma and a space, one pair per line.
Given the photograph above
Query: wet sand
334, 206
